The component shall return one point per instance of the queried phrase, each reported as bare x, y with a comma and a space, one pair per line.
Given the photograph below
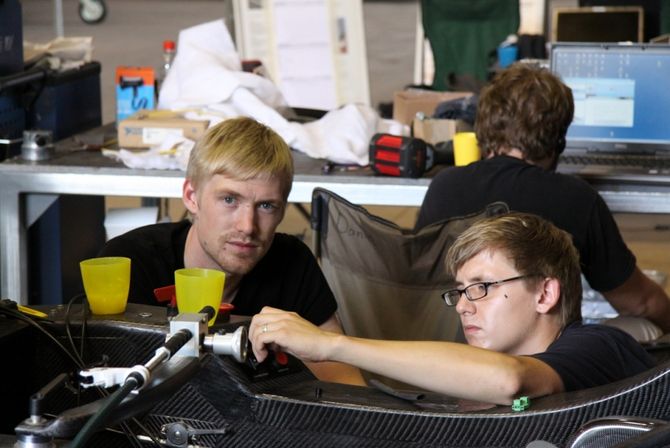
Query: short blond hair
243, 149
534, 245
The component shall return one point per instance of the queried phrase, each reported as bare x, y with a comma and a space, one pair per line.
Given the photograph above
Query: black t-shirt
592, 355
567, 201
287, 277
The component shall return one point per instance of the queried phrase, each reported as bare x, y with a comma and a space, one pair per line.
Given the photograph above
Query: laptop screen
621, 93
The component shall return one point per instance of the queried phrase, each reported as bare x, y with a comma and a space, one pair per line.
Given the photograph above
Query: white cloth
641, 329
171, 154
206, 74
207, 70
61, 53
342, 135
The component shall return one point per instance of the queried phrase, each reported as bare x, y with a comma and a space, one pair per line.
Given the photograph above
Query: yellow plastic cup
466, 149
106, 282
197, 288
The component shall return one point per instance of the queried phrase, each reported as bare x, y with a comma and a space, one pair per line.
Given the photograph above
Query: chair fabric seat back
387, 280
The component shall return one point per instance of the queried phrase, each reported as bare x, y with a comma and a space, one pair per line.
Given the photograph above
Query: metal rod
20, 79
58, 18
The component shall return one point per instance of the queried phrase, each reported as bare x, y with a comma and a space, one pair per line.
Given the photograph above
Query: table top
78, 167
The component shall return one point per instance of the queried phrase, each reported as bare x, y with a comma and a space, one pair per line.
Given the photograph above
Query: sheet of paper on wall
305, 72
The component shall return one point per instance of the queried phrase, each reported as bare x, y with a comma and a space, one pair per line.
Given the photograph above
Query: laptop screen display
621, 93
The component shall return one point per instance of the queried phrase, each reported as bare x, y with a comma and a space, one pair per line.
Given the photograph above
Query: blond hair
243, 149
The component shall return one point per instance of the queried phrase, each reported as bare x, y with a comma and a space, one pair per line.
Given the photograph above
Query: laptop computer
621, 127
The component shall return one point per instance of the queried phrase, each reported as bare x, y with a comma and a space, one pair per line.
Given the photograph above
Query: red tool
394, 155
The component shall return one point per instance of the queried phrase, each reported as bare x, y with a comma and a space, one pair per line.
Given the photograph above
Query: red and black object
167, 294
395, 155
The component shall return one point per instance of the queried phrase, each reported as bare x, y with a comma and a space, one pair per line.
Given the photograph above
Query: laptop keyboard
648, 162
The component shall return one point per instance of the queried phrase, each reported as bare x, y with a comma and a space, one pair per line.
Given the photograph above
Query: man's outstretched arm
640, 296
335, 372
454, 369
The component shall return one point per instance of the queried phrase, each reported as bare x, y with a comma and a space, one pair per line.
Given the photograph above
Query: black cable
76, 361
98, 419
146, 432
125, 427
68, 332
74, 357
84, 326
79, 356
135, 442
129, 433
79, 364
20, 316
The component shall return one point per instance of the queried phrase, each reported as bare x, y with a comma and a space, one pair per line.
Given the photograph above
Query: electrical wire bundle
11, 310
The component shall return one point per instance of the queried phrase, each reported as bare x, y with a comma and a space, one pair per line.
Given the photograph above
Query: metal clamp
37, 145
179, 434
111, 376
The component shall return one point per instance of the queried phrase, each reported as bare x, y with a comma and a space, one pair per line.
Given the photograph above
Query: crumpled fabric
60, 54
344, 129
206, 75
171, 154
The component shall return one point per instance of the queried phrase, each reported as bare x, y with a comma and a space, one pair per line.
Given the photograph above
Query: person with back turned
522, 119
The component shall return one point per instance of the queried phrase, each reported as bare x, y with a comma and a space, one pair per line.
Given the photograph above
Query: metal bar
13, 247
59, 29
20, 79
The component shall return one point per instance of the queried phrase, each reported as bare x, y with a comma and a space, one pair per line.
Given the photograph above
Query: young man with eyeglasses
518, 293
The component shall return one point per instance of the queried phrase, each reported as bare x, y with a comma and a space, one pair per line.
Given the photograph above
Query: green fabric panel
665, 17
462, 34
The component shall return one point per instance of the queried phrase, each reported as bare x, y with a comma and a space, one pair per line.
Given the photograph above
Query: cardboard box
435, 130
148, 128
408, 102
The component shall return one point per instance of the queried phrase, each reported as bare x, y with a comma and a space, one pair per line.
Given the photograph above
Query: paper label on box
154, 136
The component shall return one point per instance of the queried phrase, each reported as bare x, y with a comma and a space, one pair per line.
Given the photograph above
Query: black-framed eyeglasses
477, 290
